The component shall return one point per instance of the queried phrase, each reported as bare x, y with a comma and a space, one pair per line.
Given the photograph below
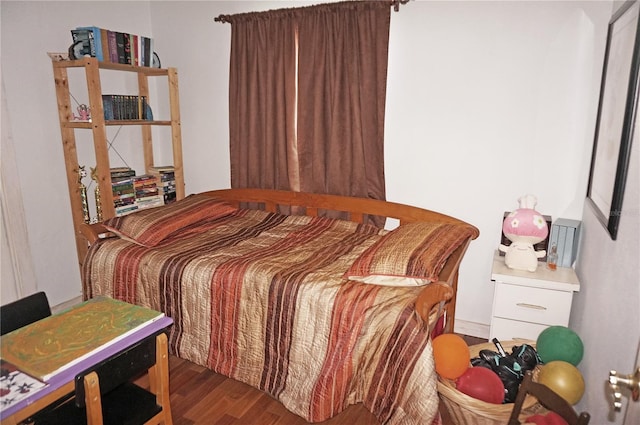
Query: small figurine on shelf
552, 258
83, 193
524, 227
84, 114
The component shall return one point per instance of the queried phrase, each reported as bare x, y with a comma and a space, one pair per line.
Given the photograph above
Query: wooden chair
24, 311
106, 395
547, 398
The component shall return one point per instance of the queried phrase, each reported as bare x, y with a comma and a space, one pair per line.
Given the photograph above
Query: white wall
491, 101
29, 30
487, 101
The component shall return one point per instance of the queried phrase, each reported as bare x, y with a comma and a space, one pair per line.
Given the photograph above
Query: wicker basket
466, 410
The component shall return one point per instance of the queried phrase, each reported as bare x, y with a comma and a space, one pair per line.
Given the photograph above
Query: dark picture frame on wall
617, 110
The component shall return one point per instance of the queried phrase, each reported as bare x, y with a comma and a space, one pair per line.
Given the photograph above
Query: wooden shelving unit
98, 126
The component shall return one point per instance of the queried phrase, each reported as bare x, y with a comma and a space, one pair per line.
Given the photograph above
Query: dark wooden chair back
24, 311
105, 394
547, 398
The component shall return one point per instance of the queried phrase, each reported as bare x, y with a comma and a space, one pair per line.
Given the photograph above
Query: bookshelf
98, 128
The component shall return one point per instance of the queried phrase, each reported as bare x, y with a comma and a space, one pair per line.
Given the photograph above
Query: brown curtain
333, 142
342, 75
262, 102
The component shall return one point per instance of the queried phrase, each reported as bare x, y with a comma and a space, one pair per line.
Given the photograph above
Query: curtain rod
395, 3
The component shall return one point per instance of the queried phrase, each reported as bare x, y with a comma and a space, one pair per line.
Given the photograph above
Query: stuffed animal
524, 227
84, 113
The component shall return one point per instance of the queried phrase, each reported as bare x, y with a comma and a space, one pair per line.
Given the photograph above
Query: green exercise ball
560, 343
563, 378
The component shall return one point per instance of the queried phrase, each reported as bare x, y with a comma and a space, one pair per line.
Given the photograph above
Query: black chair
547, 398
105, 395
24, 311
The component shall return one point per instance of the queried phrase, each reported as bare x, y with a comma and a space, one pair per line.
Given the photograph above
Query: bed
266, 288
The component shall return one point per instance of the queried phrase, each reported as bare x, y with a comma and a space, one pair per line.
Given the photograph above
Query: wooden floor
200, 396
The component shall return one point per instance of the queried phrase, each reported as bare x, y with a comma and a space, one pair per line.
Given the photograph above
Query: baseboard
65, 305
479, 330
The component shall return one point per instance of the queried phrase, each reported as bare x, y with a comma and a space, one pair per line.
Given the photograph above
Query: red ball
481, 383
551, 418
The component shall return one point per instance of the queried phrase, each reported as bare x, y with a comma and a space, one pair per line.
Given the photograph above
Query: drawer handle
532, 306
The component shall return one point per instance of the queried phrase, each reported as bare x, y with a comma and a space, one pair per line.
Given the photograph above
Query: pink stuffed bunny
524, 227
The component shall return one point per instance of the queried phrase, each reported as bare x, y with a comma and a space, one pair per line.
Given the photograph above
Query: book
120, 47
147, 51
127, 48
562, 237
135, 50
95, 38
107, 106
15, 385
104, 38
119, 169
162, 169
117, 203
126, 209
566, 260
122, 176
83, 37
149, 201
113, 46
50, 346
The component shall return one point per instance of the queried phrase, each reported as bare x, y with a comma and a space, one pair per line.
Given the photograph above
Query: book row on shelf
126, 107
133, 192
113, 46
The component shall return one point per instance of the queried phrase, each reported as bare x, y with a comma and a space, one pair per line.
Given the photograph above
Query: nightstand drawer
507, 329
535, 305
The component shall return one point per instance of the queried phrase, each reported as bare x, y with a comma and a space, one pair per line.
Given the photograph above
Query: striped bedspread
261, 298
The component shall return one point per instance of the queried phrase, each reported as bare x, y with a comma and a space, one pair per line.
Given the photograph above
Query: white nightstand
526, 303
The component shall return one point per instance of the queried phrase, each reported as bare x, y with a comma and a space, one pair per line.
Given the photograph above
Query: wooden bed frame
441, 294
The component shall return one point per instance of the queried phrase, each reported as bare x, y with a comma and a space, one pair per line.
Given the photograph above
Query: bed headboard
357, 208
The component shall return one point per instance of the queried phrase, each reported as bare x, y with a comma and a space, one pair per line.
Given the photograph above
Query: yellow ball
563, 378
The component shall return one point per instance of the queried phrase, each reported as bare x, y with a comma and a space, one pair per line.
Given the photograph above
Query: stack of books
166, 182
146, 191
114, 46
124, 200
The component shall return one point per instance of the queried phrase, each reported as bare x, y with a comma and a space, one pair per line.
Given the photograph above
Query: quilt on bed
261, 298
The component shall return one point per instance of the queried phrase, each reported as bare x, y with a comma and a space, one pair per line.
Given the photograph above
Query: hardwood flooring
200, 396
